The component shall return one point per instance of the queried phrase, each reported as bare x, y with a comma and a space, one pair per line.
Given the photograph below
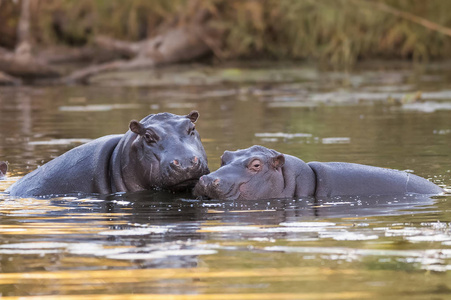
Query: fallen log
21, 63
182, 41
5, 79
26, 67
174, 46
63, 54
118, 47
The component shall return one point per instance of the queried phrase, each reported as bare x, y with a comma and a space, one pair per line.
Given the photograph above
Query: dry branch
6, 79
174, 46
411, 17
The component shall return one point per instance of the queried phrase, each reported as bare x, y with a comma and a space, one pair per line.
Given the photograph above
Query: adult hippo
3, 169
161, 151
262, 173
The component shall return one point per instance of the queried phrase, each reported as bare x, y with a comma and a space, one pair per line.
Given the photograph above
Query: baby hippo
262, 173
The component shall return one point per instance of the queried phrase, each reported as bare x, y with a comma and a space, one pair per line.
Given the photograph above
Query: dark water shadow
161, 207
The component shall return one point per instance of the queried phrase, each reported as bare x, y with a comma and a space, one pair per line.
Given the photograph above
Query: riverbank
334, 34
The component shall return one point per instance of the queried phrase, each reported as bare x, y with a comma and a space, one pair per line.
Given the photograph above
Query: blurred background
334, 34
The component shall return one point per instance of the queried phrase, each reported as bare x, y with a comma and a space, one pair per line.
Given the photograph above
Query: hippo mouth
211, 191
185, 184
176, 179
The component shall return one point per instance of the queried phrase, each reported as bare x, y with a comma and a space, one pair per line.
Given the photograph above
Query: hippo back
339, 179
84, 169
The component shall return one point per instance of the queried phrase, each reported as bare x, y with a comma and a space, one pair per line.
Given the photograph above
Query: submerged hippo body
3, 169
161, 151
261, 173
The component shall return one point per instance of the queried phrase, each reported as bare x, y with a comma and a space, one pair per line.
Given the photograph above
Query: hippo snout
184, 172
205, 186
178, 164
215, 188
208, 180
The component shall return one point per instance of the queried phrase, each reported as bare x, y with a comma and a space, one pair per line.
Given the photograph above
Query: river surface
159, 245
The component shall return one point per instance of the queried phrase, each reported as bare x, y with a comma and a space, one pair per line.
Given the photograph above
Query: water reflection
159, 245
189, 240
161, 217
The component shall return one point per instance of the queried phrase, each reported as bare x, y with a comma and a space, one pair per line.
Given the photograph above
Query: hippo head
165, 152
252, 173
3, 169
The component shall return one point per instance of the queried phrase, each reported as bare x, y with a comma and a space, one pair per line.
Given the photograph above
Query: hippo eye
255, 165
149, 138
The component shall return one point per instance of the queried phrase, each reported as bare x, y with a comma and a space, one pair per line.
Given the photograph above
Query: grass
336, 33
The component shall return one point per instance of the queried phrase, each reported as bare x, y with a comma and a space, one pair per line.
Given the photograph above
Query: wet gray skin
261, 173
3, 169
161, 151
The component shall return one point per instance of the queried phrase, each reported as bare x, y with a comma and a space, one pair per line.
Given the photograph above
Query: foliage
70, 20
334, 32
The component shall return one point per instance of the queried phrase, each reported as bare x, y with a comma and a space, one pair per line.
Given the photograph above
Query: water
158, 245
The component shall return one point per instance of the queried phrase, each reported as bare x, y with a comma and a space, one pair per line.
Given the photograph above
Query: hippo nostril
175, 165
216, 182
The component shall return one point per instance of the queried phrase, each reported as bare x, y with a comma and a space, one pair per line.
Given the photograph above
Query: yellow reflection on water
51, 228
69, 282
30, 216
7, 182
117, 276
239, 296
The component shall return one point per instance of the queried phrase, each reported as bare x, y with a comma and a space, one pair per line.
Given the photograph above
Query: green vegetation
336, 33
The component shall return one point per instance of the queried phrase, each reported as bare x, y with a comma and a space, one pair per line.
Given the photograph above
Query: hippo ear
3, 167
137, 127
225, 157
193, 116
278, 161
